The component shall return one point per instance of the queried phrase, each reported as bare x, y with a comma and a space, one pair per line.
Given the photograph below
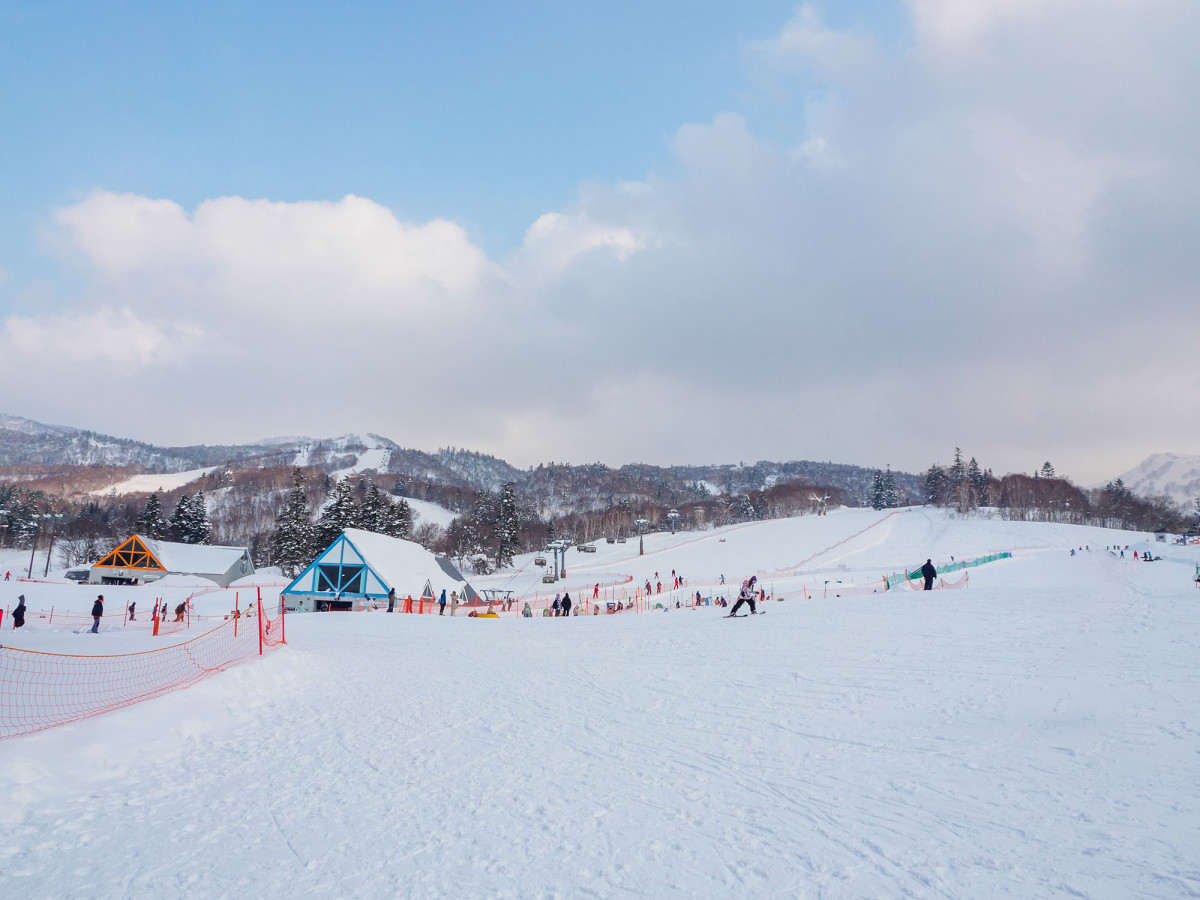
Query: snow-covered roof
404, 565
396, 563
194, 559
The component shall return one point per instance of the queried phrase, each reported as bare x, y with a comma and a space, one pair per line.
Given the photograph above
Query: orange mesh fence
41, 690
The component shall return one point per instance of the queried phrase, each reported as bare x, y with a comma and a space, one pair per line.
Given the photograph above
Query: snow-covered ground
1032, 736
160, 481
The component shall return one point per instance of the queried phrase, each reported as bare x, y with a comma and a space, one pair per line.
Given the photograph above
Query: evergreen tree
293, 543
1047, 470
151, 522
890, 494
341, 513
507, 526
189, 522
957, 472
877, 497
371, 515
936, 483
397, 519
979, 483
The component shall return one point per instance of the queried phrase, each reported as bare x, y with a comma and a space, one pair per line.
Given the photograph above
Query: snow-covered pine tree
181, 519
372, 515
1047, 470
292, 544
189, 522
979, 483
397, 518
891, 494
877, 498
935, 485
507, 526
341, 513
151, 523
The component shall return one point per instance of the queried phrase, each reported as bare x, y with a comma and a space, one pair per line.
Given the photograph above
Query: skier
454, 603
132, 607
557, 605
566, 604
179, 611
391, 600
442, 603
97, 612
596, 591
18, 614
527, 612
745, 596
928, 572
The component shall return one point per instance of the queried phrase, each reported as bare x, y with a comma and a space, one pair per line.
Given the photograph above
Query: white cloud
109, 339
970, 241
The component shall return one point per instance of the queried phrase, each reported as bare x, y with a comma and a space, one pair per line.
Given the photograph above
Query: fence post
260, 629
282, 618
51, 622
237, 613
156, 620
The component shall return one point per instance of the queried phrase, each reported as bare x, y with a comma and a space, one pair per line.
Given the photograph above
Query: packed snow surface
160, 481
1034, 735
430, 512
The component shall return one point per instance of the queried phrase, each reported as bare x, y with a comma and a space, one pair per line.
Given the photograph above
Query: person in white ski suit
746, 595
454, 603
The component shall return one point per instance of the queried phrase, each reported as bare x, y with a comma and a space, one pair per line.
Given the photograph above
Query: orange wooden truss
132, 554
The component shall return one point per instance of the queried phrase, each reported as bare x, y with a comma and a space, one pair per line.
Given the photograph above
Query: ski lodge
360, 566
140, 560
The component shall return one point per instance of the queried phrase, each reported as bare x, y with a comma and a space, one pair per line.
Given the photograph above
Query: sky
672, 233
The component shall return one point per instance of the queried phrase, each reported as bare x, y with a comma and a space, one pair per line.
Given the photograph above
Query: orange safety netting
41, 690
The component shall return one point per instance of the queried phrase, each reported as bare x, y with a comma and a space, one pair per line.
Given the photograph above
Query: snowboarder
442, 603
132, 607
527, 612
928, 572
180, 610
596, 591
18, 614
566, 604
97, 612
745, 596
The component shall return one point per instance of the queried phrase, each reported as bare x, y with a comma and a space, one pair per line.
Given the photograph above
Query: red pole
236, 613
260, 632
282, 628
51, 622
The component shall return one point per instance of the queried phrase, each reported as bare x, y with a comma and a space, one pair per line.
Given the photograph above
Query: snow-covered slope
1031, 736
1177, 475
160, 481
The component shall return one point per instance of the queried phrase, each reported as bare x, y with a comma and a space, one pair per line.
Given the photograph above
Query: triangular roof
132, 554
388, 563
167, 556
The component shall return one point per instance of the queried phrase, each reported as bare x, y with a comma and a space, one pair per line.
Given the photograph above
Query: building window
339, 579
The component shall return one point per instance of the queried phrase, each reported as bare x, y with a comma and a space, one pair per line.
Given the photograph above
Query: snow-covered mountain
1175, 475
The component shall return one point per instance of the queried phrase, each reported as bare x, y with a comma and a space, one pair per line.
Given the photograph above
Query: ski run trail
1034, 735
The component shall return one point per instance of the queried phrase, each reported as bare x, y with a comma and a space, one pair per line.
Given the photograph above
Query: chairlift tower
641, 524
673, 515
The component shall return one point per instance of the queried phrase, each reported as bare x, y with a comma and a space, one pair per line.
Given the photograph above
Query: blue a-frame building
361, 565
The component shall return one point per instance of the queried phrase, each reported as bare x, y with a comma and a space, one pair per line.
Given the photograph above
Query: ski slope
1032, 736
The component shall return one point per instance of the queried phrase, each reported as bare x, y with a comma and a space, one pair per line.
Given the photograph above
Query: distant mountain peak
1174, 475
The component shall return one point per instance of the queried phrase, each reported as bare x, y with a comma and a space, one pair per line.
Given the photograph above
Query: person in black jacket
929, 573
18, 614
566, 604
97, 612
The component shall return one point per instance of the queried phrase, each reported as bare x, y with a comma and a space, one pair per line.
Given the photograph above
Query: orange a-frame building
139, 560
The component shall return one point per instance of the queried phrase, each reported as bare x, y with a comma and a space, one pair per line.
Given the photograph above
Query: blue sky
486, 113
683, 232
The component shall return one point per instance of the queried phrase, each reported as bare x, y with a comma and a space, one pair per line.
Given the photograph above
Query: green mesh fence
894, 580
